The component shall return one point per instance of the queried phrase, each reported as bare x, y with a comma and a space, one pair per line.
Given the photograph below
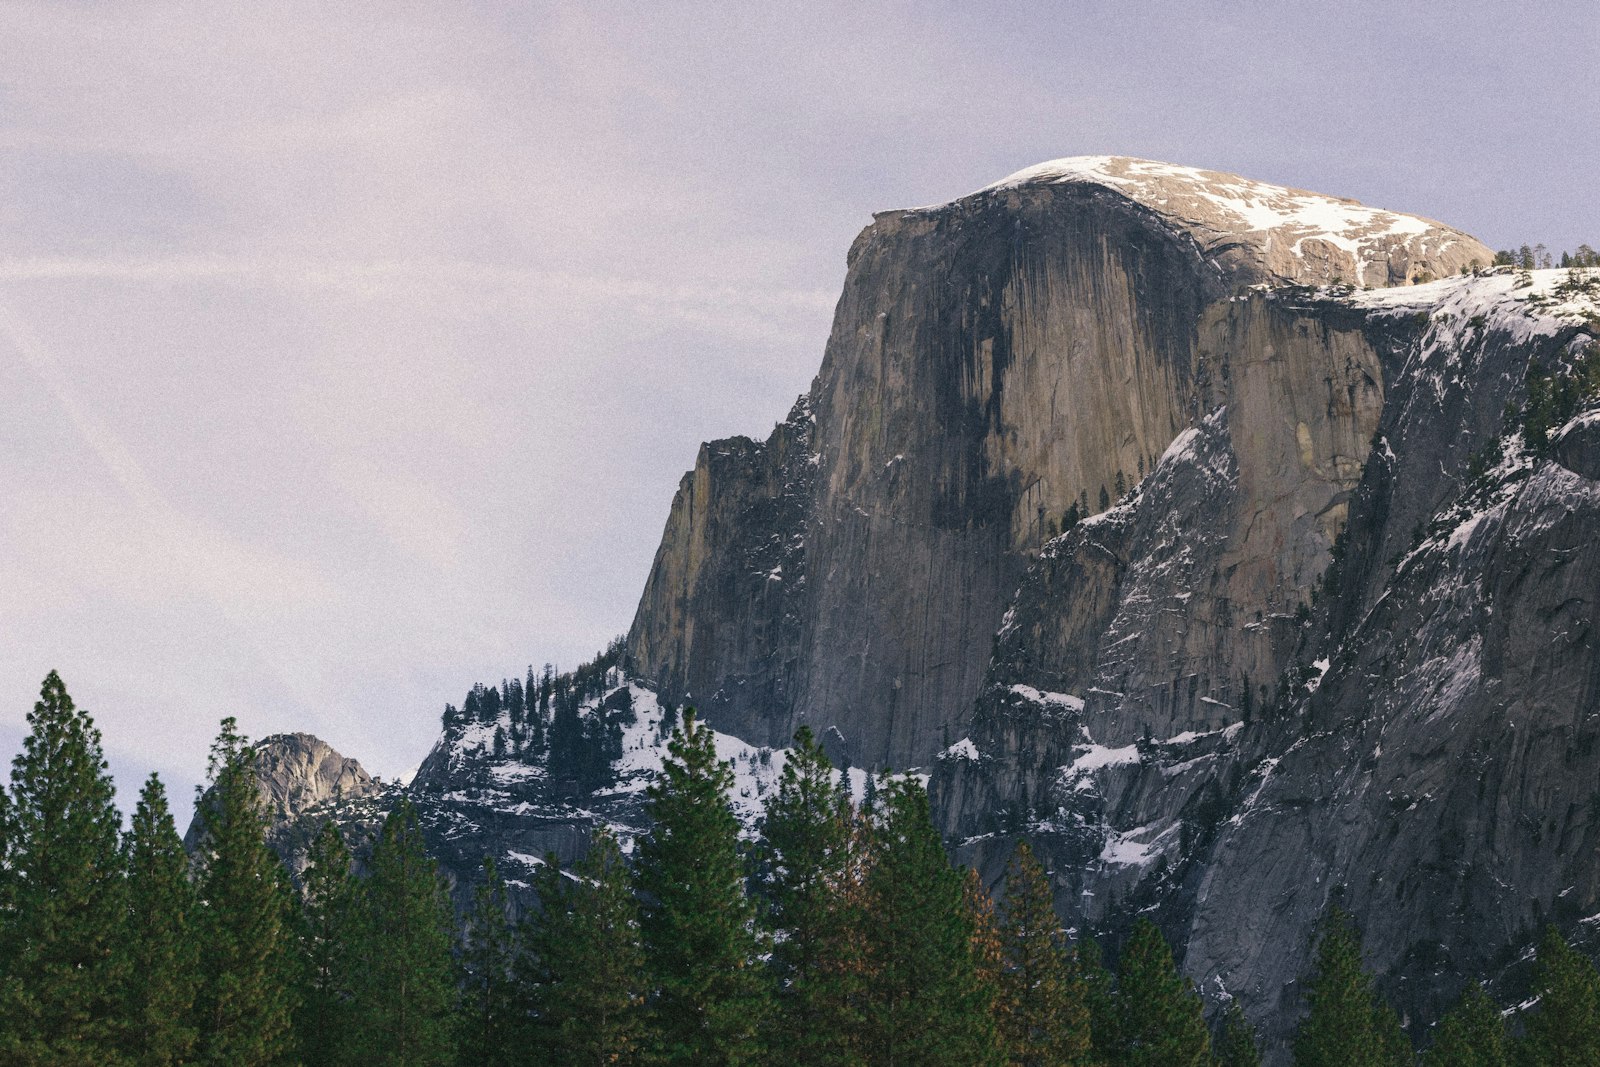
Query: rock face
299, 776
1332, 642
993, 362
1118, 507
720, 617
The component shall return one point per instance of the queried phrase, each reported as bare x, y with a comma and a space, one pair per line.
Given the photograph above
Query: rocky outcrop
994, 363
1223, 699
1333, 650
299, 777
1126, 508
719, 622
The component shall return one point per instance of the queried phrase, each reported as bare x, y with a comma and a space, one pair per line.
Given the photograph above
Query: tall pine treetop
698, 924
60, 973
159, 941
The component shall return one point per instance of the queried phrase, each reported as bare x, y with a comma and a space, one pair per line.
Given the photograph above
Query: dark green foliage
1105, 498
1044, 1018
61, 975
584, 747
1472, 1035
580, 748
327, 936
924, 1006
585, 967
1553, 397
1347, 1025
807, 859
246, 1003
404, 976
1160, 1022
988, 957
489, 1017
701, 948
1564, 1029
1099, 995
158, 940
1236, 1044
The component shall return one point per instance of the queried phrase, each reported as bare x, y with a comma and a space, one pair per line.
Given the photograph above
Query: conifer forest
838, 934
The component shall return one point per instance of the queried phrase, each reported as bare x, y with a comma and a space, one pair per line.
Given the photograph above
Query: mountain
1230, 541
301, 778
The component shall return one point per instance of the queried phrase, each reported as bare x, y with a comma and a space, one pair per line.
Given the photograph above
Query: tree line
840, 935
1538, 257
545, 723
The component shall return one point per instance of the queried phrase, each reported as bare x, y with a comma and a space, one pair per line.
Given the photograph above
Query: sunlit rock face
994, 362
1193, 528
1328, 638
299, 777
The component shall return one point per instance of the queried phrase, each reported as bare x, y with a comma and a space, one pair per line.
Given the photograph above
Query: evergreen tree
1160, 1020
1394, 1047
158, 940
925, 1005
1045, 1019
1564, 1030
566, 743
1236, 1045
404, 975
807, 860
489, 1023
328, 934
246, 1003
1347, 1025
701, 948
534, 713
5, 851
1105, 1030
585, 967
1472, 1035
988, 957
61, 975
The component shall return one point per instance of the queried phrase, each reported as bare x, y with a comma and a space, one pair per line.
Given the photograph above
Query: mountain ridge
1152, 538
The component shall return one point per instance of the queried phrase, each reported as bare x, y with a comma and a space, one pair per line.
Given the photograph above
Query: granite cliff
1225, 539
993, 362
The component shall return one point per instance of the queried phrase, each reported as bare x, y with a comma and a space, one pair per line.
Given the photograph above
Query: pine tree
1394, 1047
807, 838
1099, 995
1046, 1016
158, 939
1160, 1019
701, 948
328, 934
61, 974
988, 958
585, 968
924, 1003
246, 1003
1564, 1030
489, 1023
404, 996
1347, 1025
1472, 1035
1236, 1045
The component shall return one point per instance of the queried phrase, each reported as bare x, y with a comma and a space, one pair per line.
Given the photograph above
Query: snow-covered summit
1299, 236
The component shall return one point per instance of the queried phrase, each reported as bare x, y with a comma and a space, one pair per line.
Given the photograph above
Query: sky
351, 353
